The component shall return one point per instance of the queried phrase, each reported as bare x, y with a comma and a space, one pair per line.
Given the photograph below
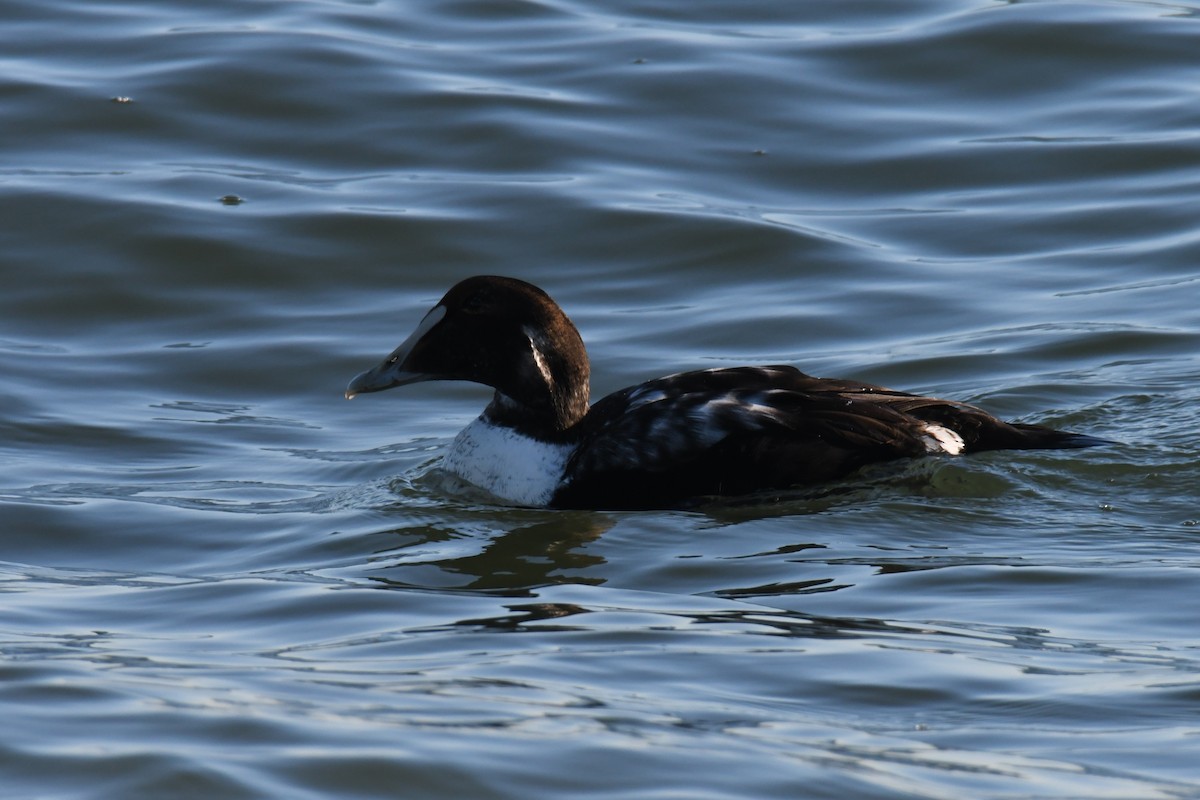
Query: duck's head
501, 332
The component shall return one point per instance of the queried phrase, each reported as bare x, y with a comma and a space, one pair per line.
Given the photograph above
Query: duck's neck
548, 419
546, 394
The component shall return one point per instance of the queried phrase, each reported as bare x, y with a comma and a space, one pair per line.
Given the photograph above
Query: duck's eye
477, 303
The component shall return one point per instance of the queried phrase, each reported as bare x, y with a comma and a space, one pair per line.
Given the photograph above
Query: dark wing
726, 432
747, 429
978, 429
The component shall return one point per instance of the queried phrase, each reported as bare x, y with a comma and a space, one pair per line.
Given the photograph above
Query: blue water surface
220, 579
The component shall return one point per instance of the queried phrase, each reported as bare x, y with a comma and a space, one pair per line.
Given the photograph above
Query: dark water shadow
513, 563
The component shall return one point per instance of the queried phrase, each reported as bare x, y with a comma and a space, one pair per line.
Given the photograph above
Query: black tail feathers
1038, 437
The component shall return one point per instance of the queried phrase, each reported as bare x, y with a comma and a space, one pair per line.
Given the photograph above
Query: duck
673, 442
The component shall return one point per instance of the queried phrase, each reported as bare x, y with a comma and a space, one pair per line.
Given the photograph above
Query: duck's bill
394, 370
384, 376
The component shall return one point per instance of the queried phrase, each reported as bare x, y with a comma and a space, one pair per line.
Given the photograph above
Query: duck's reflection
512, 563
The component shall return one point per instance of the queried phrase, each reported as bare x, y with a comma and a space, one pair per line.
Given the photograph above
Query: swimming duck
668, 442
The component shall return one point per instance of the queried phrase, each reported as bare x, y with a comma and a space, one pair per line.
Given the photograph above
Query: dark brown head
503, 333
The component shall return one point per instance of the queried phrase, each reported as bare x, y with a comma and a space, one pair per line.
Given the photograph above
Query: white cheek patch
538, 358
541, 364
940, 439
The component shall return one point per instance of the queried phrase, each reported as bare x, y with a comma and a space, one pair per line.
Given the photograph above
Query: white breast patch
513, 467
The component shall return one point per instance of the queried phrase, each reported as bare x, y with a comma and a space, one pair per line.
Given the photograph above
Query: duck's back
749, 429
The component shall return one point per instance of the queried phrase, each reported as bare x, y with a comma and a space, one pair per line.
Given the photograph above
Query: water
221, 579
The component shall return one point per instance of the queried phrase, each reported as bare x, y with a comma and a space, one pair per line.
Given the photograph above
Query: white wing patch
940, 439
515, 468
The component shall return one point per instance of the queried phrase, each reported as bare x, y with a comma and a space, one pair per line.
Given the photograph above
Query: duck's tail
1039, 437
